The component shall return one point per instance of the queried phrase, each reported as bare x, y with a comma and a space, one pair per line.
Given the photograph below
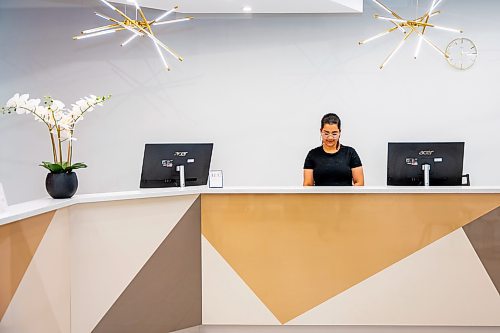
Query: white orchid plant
60, 122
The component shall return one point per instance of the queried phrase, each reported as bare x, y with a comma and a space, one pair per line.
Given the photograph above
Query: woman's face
330, 135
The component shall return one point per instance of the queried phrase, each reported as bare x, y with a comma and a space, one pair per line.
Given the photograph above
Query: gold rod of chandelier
421, 18
143, 17
424, 24
145, 21
415, 23
399, 26
124, 25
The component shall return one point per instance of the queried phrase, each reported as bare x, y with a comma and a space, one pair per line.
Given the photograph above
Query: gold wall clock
461, 53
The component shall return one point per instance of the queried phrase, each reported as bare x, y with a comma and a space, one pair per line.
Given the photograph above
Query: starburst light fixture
139, 27
417, 27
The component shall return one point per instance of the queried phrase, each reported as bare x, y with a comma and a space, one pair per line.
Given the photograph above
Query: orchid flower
60, 122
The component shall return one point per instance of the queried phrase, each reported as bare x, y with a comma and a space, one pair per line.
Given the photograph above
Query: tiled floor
338, 329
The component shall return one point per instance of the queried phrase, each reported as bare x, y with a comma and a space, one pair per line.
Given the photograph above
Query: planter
61, 185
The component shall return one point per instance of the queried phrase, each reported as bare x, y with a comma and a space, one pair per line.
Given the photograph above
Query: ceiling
255, 6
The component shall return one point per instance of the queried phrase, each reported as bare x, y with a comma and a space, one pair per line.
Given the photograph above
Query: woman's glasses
326, 134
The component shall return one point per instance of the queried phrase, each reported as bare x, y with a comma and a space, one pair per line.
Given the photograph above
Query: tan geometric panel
41, 303
295, 251
18, 243
227, 299
443, 284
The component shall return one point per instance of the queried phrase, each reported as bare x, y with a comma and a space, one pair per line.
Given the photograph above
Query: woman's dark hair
330, 119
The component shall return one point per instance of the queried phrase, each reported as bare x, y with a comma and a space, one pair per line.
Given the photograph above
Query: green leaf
53, 167
62, 167
78, 166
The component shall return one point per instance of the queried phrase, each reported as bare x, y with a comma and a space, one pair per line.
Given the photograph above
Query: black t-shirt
332, 169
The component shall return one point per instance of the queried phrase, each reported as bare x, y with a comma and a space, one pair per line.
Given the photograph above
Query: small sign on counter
3, 201
215, 179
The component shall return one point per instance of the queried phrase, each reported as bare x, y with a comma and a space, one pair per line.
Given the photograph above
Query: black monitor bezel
171, 177
454, 177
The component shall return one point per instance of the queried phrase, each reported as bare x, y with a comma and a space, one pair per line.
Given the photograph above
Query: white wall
255, 86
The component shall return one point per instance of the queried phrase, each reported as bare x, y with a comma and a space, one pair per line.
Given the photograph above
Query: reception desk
166, 259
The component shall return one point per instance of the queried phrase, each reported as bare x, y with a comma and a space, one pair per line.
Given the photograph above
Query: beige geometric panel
18, 243
110, 242
227, 300
442, 284
165, 295
41, 303
296, 251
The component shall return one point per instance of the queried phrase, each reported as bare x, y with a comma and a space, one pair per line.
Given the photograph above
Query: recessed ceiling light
247, 9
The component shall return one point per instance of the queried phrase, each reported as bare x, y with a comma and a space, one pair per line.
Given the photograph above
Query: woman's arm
308, 177
358, 178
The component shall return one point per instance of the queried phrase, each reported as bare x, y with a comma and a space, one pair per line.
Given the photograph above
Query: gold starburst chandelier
417, 27
139, 27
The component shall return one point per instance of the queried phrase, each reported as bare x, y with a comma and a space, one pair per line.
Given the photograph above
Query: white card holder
3, 201
215, 179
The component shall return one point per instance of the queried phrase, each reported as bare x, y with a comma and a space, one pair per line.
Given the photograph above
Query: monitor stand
182, 178
427, 170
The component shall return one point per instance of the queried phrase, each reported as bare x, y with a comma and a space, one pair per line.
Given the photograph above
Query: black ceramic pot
61, 185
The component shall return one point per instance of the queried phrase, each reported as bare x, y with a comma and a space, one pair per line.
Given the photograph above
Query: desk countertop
31, 208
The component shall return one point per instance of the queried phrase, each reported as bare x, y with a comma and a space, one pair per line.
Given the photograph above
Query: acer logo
180, 153
426, 152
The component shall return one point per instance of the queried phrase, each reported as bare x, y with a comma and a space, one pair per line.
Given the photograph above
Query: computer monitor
405, 162
161, 160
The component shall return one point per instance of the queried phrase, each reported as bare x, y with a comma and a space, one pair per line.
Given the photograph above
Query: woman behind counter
332, 164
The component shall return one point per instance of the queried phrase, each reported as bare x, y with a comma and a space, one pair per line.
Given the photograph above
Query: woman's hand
308, 177
358, 177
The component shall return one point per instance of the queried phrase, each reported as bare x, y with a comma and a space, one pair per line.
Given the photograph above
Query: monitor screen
405, 161
161, 160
